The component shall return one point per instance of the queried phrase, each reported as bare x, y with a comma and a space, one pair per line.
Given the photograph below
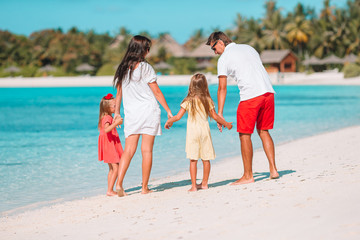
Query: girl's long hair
135, 53
198, 89
104, 109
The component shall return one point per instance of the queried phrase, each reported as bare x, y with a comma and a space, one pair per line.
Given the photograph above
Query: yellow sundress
198, 137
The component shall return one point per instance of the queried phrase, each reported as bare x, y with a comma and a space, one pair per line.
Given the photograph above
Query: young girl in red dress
110, 149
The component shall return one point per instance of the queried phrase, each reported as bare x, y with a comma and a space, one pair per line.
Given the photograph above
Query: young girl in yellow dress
199, 105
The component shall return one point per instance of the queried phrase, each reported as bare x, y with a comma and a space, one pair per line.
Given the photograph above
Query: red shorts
259, 110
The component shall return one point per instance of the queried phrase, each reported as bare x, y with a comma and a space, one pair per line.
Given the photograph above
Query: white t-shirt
141, 109
243, 63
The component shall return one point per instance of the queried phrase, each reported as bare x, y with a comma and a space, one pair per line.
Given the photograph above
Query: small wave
11, 164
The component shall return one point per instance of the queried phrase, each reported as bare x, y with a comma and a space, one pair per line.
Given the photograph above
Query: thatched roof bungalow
170, 45
279, 60
202, 51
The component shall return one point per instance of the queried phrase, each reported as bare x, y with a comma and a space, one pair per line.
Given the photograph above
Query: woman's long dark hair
135, 53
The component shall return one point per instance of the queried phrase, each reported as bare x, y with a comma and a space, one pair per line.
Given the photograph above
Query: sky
180, 18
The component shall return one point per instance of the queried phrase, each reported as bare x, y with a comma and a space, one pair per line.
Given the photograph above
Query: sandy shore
325, 78
316, 197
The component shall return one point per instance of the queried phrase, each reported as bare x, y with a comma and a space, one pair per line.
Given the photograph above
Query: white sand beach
316, 197
323, 78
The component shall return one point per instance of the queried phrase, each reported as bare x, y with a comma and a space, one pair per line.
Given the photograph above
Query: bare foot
193, 189
146, 191
121, 192
201, 186
243, 181
274, 175
112, 193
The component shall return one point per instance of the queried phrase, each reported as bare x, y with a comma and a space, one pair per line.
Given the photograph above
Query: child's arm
175, 118
220, 120
108, 127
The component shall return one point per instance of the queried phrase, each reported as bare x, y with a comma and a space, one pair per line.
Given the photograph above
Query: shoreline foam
325, 78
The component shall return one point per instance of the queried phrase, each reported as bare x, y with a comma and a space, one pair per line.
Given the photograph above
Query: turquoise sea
48, 137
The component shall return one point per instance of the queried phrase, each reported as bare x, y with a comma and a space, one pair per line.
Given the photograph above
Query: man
243, 63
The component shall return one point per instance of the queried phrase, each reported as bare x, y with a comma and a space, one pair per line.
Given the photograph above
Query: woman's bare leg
131, 143
147, 145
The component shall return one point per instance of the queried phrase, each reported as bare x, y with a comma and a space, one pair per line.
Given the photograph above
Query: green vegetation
351, 70
333, 31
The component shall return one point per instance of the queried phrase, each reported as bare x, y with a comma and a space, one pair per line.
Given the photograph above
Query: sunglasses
213, 46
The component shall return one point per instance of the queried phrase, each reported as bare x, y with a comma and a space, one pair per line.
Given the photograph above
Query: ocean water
48, 137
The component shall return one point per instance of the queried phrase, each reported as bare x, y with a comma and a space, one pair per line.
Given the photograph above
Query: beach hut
47, 68
85, 67
312, 61
162, 65
203, 55
204, 64
279, 60
332, 59
351, 58
170, 45
203, 51
12, 69
116, 41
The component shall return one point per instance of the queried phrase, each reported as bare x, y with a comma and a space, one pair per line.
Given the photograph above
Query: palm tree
353, 27
254, 35
298, 32
327, 12
274, 34
241, 27
323, 43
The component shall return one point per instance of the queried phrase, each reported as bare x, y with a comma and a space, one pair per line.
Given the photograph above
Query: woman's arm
175, 118
160, 97
118, 101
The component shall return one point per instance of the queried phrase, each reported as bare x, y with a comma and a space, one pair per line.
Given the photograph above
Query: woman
135, 80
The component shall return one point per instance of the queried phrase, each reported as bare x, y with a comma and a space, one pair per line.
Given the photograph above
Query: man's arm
221, 95
222, 90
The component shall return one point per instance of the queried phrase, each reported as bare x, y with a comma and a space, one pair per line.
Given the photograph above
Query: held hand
168, 125
218, 124
169, 114
118, 121
219, 127
229, 125
117, 116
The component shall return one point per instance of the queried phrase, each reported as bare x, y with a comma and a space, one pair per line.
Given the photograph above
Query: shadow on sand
165, 186
258, 176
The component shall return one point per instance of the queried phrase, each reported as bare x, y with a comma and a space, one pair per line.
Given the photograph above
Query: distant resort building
203, 55
279, 60
332, 59
274, 60
169, 44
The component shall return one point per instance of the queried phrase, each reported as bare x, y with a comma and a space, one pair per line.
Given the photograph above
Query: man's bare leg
269, 149
247, 155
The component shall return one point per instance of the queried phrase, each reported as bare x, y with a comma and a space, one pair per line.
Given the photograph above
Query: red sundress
109, 147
